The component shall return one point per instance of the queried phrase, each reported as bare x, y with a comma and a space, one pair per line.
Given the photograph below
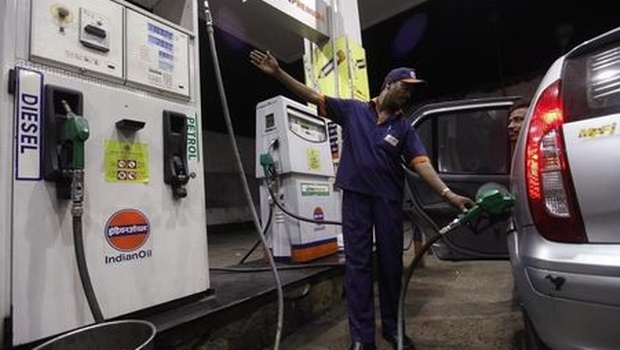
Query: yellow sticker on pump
314, 159
126, 162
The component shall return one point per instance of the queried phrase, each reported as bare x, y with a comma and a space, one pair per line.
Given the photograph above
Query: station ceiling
241, 19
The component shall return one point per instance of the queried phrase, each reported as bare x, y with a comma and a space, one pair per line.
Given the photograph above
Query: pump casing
297, 140
134, 76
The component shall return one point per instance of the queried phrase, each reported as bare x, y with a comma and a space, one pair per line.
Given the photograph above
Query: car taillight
549, 186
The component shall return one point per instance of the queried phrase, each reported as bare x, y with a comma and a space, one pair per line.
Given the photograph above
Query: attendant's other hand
264, 61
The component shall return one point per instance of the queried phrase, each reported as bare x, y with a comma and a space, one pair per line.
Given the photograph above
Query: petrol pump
294, 140
102, 163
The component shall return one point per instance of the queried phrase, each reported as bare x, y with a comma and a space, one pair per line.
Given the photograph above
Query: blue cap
404, 74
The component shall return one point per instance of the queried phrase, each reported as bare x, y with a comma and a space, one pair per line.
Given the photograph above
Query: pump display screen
269, 122
306, 129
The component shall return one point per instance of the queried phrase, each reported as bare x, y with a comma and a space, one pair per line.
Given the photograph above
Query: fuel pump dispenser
103, 188
294, 139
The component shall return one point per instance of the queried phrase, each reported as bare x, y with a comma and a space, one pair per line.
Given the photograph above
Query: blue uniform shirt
371, 160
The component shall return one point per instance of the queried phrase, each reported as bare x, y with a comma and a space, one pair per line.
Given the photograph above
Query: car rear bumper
570, 291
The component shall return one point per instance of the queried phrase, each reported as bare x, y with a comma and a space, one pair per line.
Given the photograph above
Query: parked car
563, 239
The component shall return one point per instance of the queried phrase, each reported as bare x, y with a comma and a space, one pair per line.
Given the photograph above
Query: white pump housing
133, 75
297, 141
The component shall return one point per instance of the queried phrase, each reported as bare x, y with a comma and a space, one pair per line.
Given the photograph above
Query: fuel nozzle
491, 198
74, 131
180, 178
266, 161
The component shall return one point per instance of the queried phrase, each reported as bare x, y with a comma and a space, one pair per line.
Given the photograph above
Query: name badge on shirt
391, 140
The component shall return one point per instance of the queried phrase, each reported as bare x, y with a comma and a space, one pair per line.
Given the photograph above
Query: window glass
474, 141
424, 131
591, 84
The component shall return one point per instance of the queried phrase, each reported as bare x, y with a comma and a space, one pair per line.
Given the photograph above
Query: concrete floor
228, 248
450, 305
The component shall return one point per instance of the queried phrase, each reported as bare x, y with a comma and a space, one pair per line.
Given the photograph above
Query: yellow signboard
350, 64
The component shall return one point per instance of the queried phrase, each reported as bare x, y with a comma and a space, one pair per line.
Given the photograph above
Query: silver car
563, 239
565, 249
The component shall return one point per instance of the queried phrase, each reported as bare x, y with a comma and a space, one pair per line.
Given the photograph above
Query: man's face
515, 120
396, 95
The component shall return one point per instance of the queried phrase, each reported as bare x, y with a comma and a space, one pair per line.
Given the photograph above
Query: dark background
457, 46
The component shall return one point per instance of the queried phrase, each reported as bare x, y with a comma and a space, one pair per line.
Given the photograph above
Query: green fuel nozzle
75, 130
268, 164
266, 160
491, 198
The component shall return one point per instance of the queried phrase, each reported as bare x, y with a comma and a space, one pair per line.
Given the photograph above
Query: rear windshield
591, 84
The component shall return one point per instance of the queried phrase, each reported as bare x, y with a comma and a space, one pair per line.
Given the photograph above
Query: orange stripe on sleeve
418, 160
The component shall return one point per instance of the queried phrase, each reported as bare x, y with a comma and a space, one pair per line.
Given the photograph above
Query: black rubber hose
403, 291
258, 241
300, 218
80, 257
413, 228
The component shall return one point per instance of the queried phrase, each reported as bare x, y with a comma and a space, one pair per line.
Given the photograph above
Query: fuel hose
246, 187
77, 192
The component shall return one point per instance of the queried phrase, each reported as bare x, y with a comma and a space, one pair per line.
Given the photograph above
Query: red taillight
549, 185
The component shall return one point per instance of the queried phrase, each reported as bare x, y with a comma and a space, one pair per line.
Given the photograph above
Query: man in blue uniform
375, 139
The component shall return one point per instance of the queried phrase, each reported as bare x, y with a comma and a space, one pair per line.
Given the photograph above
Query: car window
424, 131
590, 84
473, 141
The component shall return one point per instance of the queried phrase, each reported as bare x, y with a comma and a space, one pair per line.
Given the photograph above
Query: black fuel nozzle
180, 178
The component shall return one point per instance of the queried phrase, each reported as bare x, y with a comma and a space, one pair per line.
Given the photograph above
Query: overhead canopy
281, 25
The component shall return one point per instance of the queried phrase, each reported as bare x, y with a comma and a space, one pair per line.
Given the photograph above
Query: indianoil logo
127, 230
318, 215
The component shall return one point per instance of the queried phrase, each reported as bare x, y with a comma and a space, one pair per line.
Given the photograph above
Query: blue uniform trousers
360, 213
